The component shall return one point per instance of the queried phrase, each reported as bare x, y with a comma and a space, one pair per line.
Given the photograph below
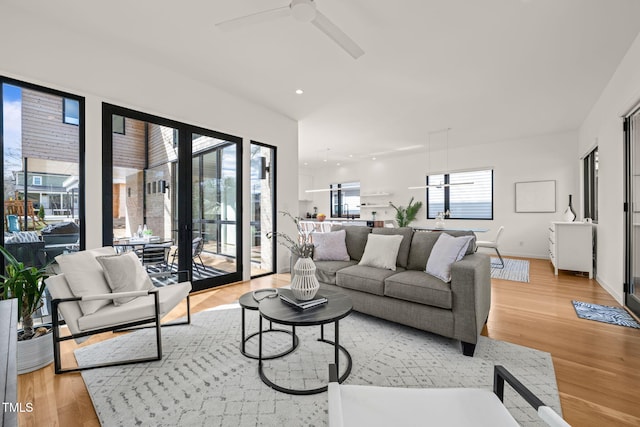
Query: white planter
304, 284
35, 353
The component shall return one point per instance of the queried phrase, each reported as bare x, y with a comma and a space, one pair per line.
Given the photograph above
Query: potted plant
404, 216
304, 283
26, 284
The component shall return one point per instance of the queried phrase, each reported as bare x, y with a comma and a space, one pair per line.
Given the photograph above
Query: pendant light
446, 170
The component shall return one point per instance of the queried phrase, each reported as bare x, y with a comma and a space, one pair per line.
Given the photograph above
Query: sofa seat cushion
326, 270
365, 279
420, 287
137, 309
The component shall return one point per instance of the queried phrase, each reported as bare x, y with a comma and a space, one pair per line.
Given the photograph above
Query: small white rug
203, 380
516, 270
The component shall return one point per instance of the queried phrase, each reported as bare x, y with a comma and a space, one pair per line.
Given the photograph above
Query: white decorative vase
35, 353
304, 284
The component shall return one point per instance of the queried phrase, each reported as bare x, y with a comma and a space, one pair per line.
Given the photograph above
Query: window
70, 111
37, 180
590, 166
118, 124
464, 201
345, 200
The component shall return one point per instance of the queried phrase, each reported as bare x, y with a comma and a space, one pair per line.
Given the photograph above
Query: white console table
571, 246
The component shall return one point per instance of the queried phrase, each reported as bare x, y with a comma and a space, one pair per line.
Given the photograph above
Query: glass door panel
215, 213
262, 209
143, 187
632, 297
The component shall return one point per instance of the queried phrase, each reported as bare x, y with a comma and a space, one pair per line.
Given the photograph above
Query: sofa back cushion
421, 246
405, 245
356, 239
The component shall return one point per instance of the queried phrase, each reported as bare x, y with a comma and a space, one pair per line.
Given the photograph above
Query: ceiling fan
304, 11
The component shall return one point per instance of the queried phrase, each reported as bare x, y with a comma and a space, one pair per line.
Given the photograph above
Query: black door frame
630, 299
274, 203
183, 193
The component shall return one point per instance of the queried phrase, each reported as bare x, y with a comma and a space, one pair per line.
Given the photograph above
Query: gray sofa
409, 295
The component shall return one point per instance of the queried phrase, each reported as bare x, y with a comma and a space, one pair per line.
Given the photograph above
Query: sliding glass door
174, 194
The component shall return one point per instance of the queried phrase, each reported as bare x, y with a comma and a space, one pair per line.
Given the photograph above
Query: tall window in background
468, 201
590, 169
345, 200
41, 186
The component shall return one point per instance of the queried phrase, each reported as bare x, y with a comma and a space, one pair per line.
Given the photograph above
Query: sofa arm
471, 288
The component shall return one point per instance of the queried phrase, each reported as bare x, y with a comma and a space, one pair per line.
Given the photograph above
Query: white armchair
371, 406
94, 300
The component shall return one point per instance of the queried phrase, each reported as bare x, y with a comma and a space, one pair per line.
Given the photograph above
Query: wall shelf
378, 194
374, 206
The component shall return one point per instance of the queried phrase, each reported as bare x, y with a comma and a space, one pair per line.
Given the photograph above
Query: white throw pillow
330, 246
381, 251
445, 252
85, 277
124, 273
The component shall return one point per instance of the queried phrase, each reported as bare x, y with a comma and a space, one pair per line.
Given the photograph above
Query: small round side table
248, 302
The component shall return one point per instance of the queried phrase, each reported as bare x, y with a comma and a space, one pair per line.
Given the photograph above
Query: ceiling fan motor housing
303, 10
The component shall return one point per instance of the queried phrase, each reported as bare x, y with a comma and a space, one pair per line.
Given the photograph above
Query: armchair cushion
124, 273
138, 309
86, 277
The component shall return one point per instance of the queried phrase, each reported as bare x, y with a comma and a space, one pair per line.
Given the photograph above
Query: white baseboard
618, 296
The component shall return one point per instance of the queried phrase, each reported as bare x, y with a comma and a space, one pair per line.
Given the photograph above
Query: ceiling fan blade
337, 35
254, 18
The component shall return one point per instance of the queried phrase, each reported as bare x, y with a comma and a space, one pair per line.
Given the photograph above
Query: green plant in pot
26, 284
406, 215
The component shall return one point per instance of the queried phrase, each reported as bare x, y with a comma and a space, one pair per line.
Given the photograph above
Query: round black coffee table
248, 302
275, 310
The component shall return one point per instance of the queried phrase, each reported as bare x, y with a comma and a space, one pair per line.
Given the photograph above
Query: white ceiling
489, 69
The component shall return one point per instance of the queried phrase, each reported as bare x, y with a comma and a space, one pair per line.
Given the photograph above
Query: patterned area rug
203, 380
516, 270
604, 313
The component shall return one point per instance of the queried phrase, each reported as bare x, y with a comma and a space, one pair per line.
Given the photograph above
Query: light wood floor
597, 365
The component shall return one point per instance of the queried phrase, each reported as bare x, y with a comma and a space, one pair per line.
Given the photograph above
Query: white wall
543, 157
45, 54
603, 126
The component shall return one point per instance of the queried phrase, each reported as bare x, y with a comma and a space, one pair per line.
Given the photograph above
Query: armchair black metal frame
122, 327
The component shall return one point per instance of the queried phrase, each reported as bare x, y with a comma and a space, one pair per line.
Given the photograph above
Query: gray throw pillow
330, 246
124, 273
445, 252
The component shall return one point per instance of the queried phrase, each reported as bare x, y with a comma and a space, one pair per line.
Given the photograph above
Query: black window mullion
447, 203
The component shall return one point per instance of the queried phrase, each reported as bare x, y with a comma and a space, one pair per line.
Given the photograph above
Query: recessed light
306, 164
299, 91
350, 155
373, 158
337, 164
